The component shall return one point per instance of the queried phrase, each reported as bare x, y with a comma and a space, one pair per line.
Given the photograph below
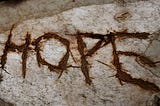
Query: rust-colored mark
6, 49
146, 61
94, 49
84, 62
116, 61
10, 46
142, 59
98, 45
125, 34
127, 53
63, 63
123, 76
25, 53
92, 35
24, 48
40, 60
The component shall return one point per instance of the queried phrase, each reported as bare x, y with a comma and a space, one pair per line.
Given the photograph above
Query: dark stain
123, 76
40, 60
1, 77
25, 53
142, 59
63, 63
95, 48
84, 62
98, 45
127, 53
83, 95
10, 46
12, 2
116, 61
146, 61
156, 101
125, 34
24, 48
92, 35
6, 49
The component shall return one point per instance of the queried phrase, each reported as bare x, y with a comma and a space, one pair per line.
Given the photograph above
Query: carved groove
63, 63
84, 62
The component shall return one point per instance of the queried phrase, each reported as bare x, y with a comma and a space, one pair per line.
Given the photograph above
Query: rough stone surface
13, 13
43, 88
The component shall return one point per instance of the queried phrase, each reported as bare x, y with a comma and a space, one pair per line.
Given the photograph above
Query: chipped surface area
121, 57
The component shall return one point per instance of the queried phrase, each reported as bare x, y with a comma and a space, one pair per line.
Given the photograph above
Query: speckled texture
43, 88
32, 9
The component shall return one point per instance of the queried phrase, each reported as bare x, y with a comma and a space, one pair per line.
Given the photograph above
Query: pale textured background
11, 14
41, 87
